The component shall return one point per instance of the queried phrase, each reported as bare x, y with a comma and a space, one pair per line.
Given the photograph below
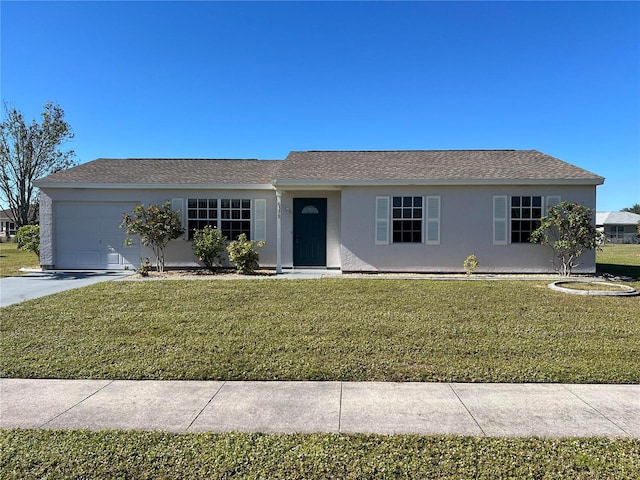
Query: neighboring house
359, 211
619, 227
7, 225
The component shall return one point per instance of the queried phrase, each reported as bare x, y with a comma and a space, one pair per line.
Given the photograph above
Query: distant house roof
332, 168
617, 218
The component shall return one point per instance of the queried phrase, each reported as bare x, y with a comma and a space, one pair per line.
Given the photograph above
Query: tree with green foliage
634, 209
568, 228
243, 253
155, 225
208, 246
28, 152
29, 238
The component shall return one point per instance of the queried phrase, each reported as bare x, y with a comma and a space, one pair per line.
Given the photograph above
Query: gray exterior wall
466, 227
178, 252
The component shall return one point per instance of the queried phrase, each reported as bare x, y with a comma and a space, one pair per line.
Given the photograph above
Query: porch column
279, 231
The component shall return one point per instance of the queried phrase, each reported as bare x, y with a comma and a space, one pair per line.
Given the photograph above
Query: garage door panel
88, 236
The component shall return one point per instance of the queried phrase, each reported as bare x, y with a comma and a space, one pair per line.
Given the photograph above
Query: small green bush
243, 253
208, 246
470, 264
29, 238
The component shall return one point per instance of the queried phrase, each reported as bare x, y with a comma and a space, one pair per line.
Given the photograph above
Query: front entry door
310, 232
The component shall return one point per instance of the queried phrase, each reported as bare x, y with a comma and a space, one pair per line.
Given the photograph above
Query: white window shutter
382, 221
433, 221
177, 205
260, 219
500, 220
552, 200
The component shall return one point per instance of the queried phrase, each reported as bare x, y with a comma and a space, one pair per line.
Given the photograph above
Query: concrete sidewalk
513, 410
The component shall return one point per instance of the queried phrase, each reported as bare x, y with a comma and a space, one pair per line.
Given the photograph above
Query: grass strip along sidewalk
146, 455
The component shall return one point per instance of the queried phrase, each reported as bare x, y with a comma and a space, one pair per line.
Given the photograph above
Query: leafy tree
569, 230
29, 238
156, 225
208, 245
634, 209
28, 152
243, 253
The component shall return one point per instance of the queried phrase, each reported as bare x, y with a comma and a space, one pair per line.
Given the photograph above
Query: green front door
310, 232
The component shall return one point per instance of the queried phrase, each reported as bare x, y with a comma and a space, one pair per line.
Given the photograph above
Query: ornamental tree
156, 225
569, 230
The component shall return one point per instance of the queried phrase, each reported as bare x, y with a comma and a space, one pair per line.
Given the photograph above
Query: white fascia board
162, 186
336, 184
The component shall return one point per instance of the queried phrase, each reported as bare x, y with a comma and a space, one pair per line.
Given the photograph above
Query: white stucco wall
466, 224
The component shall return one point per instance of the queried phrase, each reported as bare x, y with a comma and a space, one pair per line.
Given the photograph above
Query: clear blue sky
256, 80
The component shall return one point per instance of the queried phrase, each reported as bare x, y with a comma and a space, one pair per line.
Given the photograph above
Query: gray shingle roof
168, 171
617, 218
457, 165
331, 167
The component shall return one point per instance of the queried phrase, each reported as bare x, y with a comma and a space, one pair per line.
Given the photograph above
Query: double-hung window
407, 219
526, 212
515, 218
231, 216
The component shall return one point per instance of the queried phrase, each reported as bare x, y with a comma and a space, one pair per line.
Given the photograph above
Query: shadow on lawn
632, 271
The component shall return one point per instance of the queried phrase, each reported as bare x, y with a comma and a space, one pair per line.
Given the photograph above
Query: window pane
407, 201
213, 203
515, 201
235, 203
526, 201
202, 203
537, 201
406, 213
515, 213
417, 201
192, 203
225, 203
417, 213
397, 201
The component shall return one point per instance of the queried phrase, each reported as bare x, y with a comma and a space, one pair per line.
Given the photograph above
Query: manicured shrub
243, 253
470, 264
208, 246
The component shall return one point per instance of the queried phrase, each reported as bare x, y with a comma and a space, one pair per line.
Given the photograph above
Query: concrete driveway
39, 284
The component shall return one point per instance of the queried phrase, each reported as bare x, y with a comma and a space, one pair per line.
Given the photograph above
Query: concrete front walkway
546, 410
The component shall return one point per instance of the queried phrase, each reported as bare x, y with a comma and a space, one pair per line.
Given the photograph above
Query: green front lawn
331, 329
12, 259
619, 260
145, 455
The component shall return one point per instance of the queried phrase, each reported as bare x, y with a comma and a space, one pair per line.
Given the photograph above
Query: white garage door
88, 236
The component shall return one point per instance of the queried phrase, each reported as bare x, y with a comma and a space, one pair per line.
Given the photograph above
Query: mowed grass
12, 260
330, 329
619, 259
145, 455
